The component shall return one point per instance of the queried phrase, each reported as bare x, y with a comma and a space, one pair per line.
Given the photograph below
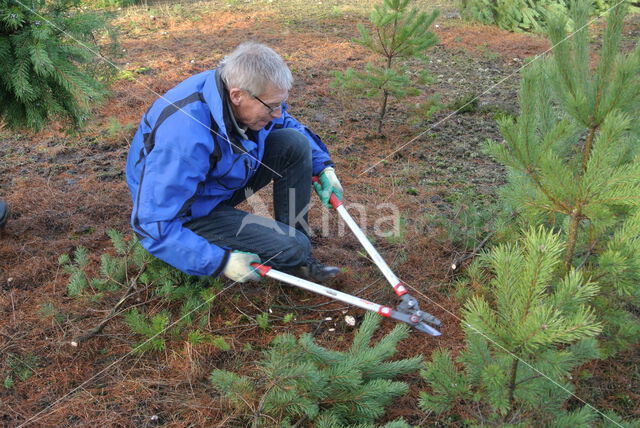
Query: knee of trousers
296, 250
294, 142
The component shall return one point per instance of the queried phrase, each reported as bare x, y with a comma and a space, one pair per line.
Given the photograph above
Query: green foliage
611, 420
116, 130
465, 104
300, 379
522, 15
401, 33
8, 382
263, 320
183, 299
18, 367
99, 4
113, 270
468, 221
445, 380
331, 422
522, 339
574, 163
152, 329
47, 62
197, 337
47, 310
220, 343
194, 294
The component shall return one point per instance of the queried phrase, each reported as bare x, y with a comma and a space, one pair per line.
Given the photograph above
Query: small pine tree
574, 163
400, 34
46, 66
521, 341
301, 379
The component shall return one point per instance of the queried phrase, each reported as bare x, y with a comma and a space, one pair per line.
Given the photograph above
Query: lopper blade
426, 328
416, 319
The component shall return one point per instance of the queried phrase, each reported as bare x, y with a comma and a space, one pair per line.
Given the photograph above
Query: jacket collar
216, 97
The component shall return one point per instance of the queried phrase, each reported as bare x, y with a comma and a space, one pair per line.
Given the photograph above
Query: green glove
239, 267
329, 184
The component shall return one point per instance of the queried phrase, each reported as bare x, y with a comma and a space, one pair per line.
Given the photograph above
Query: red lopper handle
333, 200
262, 269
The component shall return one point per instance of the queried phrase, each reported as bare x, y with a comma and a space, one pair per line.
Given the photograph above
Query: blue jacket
184, 160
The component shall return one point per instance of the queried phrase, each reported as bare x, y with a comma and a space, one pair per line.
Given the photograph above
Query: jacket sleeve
319, 151
169, 178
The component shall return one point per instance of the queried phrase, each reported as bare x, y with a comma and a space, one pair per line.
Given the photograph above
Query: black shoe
4, 213
315, 271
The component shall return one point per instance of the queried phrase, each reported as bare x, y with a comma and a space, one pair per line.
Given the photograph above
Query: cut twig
113, 313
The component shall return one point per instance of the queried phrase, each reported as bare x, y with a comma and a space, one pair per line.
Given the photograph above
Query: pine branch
586, 153
572, 237
564, 208
528, 379
114, 311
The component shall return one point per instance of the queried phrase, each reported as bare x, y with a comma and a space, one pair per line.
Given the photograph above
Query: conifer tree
574, 165
300, 379
522, 339
400, 33
46, 68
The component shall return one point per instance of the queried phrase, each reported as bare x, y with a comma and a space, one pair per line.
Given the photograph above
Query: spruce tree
574, 165
400, 34
522, 339
47, 68
299, 379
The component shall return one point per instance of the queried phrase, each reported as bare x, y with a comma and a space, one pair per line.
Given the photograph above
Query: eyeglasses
270, 108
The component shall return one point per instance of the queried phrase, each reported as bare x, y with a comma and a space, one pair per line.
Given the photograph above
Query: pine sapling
522, 339
399, 34
574, 163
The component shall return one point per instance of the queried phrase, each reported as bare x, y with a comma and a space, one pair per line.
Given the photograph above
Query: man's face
256, 111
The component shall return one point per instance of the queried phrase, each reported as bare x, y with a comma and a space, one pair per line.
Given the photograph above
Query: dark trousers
282, 243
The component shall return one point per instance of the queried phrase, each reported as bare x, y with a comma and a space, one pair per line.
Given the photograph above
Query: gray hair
255, 67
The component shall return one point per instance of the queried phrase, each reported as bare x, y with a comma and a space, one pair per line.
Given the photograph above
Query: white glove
329, 184
239, 267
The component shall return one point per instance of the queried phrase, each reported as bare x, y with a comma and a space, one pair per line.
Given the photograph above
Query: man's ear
235, 95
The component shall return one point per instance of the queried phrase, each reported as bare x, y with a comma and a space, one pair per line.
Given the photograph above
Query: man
208, 144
